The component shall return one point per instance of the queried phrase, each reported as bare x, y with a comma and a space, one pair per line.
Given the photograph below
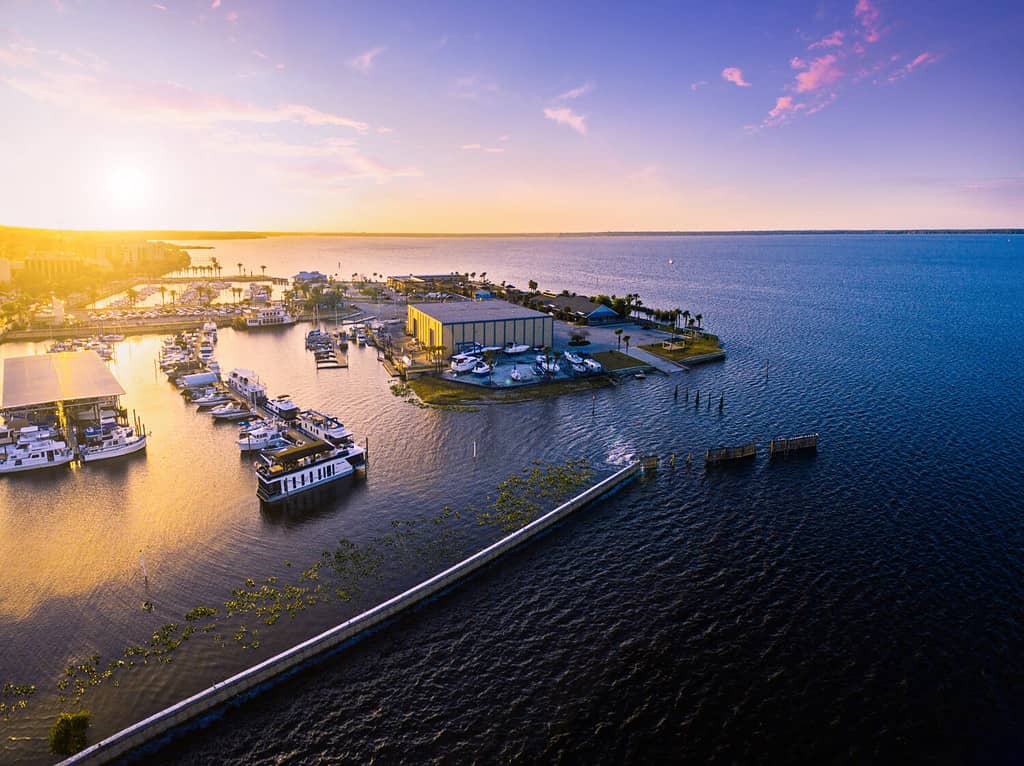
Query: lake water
863, 604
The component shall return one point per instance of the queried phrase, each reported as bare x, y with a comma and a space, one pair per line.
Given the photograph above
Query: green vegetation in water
14, 697
522, 497
400, 389
67, 736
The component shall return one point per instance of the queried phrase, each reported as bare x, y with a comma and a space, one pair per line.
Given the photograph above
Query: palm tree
163, 295
698, 317
625, 339
239, 265
533, 285
132, 296
237, 292
174, 295
618, 337
264, 270
215, 265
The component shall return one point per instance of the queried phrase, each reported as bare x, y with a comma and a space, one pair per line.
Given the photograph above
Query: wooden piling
729, 454
782, 447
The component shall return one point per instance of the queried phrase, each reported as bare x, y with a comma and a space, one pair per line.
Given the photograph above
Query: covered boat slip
46, 381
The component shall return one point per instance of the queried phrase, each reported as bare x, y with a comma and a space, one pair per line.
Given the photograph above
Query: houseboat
317, 425
282, 407
272, 316
298, 469
247, 385
34, 448
110, 440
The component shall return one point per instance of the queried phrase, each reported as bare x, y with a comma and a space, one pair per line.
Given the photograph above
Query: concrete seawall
144, 731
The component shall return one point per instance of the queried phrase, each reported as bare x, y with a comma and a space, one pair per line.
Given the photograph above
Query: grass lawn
440, 392
704, 344
616, 360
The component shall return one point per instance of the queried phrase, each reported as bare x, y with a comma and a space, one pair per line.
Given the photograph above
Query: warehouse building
458, 326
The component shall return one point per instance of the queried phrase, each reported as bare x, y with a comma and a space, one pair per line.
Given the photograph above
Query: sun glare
127, 188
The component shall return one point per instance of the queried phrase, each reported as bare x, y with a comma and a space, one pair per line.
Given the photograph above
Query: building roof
65, 376
309, 276
603, 311
477, 311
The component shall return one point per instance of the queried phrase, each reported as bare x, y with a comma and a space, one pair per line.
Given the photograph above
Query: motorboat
515, 374
212, 399
464, 363
35, 448
262, 436
110, 440
579, 368
298, 469
282, 407
550, 367
572, 358
361, 338
482, 368
593, 365
232, 411
516, 348
246, 384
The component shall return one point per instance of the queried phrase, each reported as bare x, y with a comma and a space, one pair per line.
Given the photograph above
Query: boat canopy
302, 450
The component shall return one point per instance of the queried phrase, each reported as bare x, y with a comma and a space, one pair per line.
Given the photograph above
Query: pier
272, 669
782, 447
730, 454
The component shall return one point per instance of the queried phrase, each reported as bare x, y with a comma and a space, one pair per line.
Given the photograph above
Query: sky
511, 117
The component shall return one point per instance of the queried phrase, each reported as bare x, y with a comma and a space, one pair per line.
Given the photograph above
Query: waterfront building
424, 283
486, 323
576, 308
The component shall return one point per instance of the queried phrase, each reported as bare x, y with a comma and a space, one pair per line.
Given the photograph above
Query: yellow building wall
535, 331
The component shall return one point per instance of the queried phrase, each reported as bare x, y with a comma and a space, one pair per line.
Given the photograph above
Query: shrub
67, 736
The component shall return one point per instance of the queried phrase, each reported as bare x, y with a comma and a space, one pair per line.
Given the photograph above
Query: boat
262, 436
110, 440
593, 365
516, 348
551, 367
572, 358
327, 428
361, 338
232, 411
464, 363
212, 399
298, 469
579, 368
482, 368
272, 316
282, 407
515, 374
35, 448
246, 384
639, 375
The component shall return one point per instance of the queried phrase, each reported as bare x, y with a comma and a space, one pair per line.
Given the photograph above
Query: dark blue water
863, 604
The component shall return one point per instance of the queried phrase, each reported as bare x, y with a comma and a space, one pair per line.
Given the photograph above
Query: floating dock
137, 735
782, 447
730, 454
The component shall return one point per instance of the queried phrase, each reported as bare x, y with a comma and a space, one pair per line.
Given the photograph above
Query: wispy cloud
819, 73
868, 15
923, 59
582, 90
566, 116
482, 148
163, 101
384, 131
472, 86
833, 40
159, 7
695, 86
364, 61
735, 76
215, 5
259, 54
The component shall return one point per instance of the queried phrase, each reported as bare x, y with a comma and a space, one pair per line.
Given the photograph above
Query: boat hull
106, 453
13, 466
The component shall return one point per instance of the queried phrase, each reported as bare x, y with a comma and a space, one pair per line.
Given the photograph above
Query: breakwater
266, 672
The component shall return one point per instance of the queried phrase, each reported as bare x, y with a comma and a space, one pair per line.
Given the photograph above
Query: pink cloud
834, 40
566, 116
232, 17
159, 7
868, 15
735, 76
923, 59
819, 73
258, 53
215, 5
364, 61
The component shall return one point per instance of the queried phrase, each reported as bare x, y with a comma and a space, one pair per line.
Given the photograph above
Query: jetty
782, 447
186, 712
720, 455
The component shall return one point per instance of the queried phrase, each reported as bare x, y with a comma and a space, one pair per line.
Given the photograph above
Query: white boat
272, 316
246, 384
516, 348
572, 358
110, 440
593, 365
212, 399
361, 339
482, 368
298, 469
317, 425
579, 368
262, 436
231, 411
282, 407
550, 367
34, 449
464, 362
515, 374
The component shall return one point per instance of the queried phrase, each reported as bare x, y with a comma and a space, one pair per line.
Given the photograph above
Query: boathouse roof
60, 377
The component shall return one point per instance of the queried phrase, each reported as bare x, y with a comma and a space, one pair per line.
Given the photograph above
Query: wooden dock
330, 359
782, 447
730, 454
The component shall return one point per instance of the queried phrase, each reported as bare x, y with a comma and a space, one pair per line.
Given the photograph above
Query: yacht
231, 411
548, 366
262, 436
272, 316
482, 368
317, 425
246, 384
298, 469
110, 440
282, 407
515, 374
464, 362
572, 358
212, 399
35, 448
593, 365
516, 348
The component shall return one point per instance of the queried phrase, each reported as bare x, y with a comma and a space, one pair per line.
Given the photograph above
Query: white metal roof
65, 376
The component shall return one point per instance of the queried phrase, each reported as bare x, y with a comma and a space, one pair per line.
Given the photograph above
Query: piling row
265, 672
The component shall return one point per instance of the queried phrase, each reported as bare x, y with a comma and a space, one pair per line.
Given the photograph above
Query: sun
127, 188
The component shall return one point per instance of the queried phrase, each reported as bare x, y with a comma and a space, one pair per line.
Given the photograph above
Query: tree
533, 285
163, 295
618, 338
264, 270
174, 295
132, 297
239, 265
215, 265
686, 316
698, 317
625, 339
